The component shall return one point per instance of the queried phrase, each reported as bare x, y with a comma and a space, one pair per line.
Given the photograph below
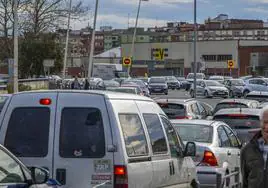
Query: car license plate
157, 89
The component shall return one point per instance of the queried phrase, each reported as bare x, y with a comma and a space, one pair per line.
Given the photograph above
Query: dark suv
172, 82
185, 108
158, 85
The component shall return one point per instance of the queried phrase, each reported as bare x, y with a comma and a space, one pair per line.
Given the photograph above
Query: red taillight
240, 116
183, 117
210, 159
45, 101
120, 177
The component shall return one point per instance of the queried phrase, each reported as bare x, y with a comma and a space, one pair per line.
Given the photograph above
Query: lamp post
195, 39
90, 63
67, 41
16, 50
134, 34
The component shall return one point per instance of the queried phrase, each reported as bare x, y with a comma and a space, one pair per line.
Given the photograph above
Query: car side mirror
190, 149
39, 175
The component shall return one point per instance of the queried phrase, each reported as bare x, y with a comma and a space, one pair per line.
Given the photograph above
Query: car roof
244, 101
176, 101
106, 94
198, 121
247, 111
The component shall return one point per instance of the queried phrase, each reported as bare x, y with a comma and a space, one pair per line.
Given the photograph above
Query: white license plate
157, 89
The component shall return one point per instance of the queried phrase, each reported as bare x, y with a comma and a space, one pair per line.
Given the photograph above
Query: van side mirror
190, 149
39, 175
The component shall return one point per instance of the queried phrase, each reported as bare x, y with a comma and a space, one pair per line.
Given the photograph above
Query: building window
236, 33
209, 57
224, 57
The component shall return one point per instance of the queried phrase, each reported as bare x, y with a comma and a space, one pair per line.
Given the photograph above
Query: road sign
127, 61
231, 64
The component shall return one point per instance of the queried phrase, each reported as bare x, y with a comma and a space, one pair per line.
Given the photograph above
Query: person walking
75, 84
254, 157
86, 85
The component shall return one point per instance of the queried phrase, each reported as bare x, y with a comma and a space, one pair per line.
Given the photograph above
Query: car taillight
209, 158
120, 176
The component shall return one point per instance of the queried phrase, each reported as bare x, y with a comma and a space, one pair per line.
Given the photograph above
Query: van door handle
170, 168
61, 176
173, 168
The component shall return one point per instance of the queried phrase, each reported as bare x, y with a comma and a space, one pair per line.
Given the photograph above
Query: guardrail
221, 180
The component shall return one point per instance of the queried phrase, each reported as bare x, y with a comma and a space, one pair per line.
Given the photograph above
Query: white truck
106, 71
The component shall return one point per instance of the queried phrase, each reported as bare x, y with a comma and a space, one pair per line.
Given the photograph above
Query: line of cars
219, 133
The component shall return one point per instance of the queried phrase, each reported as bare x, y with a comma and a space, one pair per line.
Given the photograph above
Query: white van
97, 139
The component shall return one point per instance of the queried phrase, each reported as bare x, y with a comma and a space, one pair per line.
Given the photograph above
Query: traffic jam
136, 132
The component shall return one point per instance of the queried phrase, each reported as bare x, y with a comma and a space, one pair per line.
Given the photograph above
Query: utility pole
67, 41
90, 64
16, 50
195, 39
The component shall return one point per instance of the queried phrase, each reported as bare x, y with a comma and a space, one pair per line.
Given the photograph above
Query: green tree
34, 50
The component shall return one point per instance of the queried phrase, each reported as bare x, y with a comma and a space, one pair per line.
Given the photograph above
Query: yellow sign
159, 53
127, 61
231, 64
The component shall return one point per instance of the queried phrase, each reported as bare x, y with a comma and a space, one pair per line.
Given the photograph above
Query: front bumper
158, 90
173, 86
219, 93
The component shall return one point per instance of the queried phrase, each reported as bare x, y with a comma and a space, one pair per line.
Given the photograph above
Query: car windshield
240, 121
198, 76
172, 79
213, 83
138, 82
226, 105
173, 111
238, 82
195, 132
3, 100
181, 79
157, 80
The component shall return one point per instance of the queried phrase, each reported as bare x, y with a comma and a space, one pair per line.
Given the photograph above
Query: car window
232, 137
134, 136
252, 81
174, 143
81, 133
260, 82
202, 110
228, 105
172, 110
28, 132
10, 170
242, 121
194, 108
156, 133
224, 140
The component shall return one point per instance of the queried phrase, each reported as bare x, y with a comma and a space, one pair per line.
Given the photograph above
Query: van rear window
134, 135
28, 132
240, 121
82, 133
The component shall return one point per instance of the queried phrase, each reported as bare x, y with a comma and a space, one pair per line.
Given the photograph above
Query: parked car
261, 96
172, 82
184, 108
140, 83
158, 85
200, 76
244, 121
135, 86
249, 77
110, 83
236, 103
209, 88
132, 90
115, 140
184, 84
15, 174
235, 87
144, 79
255, 84
218, 148
219, 79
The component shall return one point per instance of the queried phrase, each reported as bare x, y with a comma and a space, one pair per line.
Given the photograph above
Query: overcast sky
157, 12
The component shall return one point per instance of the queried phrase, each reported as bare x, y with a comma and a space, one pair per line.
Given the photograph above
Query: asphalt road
182, 94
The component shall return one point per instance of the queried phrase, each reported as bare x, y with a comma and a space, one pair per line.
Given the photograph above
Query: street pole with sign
195, 39
134, 35
91, 54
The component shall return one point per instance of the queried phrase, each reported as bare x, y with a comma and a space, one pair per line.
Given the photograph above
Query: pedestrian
75, 84
86, 85
254, 157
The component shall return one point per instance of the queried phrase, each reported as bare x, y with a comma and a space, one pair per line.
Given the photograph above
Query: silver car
209, 89
217, 152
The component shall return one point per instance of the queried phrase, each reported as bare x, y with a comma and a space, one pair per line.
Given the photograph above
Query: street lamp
195, 39
67, 41
16, 50
90, 64
134, 34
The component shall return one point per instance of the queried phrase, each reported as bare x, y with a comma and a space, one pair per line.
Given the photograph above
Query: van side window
134, 135
28, 132
81, 133
173, 140
156, 133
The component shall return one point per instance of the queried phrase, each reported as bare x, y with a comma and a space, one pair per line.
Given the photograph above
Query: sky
121, 13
